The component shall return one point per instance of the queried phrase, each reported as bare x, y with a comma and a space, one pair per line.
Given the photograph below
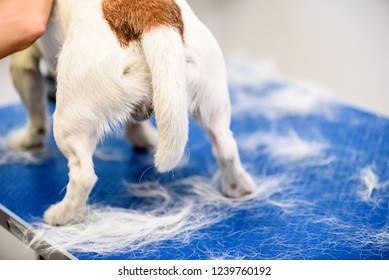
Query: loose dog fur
119, 61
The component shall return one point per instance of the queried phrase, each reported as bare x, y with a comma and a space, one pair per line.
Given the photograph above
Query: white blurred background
342, 44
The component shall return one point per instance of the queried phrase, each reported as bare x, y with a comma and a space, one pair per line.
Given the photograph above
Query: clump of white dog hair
289, 148
171, 216
15, 156
296, 99
370, 182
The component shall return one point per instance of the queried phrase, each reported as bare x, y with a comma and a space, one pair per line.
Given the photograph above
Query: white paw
144, 137
64, 213
151, 138
24, 139
149, 141
242, 185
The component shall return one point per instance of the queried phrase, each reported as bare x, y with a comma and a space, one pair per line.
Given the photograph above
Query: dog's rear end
120, 57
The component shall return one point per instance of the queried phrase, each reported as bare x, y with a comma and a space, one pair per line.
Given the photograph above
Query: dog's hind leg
77, 143
143, 135
29, 83
213, 113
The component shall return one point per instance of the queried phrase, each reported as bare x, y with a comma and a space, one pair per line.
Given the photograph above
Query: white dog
118, 62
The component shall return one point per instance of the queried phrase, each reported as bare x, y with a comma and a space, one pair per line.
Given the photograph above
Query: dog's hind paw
241, 185
143, 135
25, 139
63, 213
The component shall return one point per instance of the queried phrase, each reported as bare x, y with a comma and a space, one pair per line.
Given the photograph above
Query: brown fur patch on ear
130, 19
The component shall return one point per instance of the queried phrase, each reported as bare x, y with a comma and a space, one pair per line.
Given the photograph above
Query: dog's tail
164, 52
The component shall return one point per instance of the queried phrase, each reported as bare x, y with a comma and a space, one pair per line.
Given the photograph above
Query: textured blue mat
325, 211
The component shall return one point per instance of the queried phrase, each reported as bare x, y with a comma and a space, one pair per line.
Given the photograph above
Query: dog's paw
148, 142
63, 213
144, 137
25, 139
241, 186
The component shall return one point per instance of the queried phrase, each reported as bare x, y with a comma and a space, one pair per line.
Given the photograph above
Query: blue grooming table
328, 219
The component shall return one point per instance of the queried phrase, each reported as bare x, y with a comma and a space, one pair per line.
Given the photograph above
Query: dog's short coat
119, 61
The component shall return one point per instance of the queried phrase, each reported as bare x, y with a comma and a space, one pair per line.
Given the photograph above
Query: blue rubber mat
332, 161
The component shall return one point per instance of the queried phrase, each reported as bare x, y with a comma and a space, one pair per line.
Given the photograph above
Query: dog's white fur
100, 84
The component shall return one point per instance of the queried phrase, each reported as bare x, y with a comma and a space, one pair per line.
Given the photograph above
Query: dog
118, 62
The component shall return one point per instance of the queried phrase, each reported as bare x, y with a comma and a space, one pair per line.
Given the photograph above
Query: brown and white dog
118, 61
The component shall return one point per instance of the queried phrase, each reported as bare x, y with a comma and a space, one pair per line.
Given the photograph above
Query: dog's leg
214, 115
236, 182
29, 82
77, 143
142, 134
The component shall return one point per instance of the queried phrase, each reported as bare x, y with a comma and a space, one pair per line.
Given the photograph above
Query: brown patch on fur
130, 19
